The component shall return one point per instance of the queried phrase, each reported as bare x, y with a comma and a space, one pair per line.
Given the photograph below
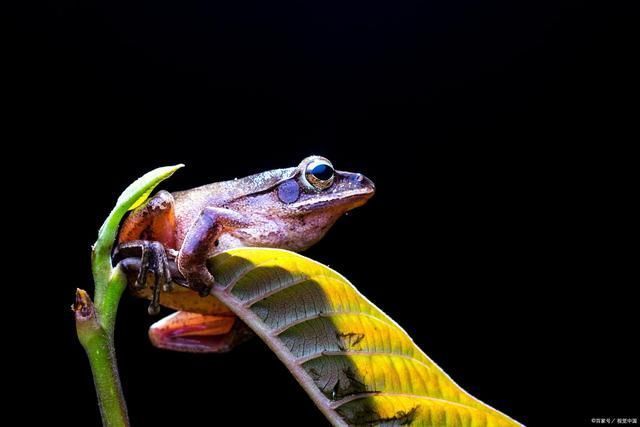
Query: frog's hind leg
148, 235
198, 333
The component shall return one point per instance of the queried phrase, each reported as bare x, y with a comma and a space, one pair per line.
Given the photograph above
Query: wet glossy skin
270, 221
288, 208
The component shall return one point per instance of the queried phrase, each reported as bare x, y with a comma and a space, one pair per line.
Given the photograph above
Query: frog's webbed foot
149, 259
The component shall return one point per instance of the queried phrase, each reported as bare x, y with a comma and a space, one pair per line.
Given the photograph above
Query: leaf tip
156, 176
167, 171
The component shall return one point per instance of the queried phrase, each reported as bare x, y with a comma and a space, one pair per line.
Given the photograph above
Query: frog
167, 241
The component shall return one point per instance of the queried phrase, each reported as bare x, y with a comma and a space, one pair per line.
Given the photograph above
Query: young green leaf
134, 195
357, 365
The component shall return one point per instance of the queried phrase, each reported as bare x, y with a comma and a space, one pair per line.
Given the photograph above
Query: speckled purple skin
270, 222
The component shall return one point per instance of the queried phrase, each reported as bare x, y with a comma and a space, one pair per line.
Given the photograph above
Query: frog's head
305, 201
315, 195
315, 186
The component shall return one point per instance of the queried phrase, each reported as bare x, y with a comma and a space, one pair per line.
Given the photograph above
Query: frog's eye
319, 173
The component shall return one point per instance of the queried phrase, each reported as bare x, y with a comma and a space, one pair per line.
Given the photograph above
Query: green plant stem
102, 358
95, 322
107, 305
98, 344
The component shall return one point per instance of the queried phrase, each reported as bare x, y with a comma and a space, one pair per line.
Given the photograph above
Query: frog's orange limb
146, 240
155, 220
148, 233
197, 333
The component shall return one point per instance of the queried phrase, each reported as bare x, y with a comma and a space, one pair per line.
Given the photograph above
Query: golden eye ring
320, 174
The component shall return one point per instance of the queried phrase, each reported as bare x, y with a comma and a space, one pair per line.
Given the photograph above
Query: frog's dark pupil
322, 172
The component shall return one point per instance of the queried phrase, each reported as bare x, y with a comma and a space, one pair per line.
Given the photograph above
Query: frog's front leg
201, 242
198, 333
145, 244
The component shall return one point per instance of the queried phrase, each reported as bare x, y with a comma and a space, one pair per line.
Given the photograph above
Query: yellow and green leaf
357, 365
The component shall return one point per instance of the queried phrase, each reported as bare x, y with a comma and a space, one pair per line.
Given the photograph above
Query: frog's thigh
155, 220
198, 333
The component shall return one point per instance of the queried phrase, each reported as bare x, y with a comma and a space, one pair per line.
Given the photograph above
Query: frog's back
189, 203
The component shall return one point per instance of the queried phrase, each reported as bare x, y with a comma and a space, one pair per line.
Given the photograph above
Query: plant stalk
98, 345
95, 323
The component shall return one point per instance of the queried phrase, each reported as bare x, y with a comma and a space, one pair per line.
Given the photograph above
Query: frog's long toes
153, 309
140, 283
145, 262
159, 266
154, 260
167, 284
154, 306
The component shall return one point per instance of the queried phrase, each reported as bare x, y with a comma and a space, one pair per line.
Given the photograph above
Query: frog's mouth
349, 191
349, 199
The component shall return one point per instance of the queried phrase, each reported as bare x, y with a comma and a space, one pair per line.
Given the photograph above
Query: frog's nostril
358, 180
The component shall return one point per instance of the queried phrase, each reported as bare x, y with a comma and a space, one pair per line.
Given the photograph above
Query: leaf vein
304, 359
336, 404
281, 329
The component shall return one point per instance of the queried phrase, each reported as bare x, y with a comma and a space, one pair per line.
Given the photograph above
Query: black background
500, 234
